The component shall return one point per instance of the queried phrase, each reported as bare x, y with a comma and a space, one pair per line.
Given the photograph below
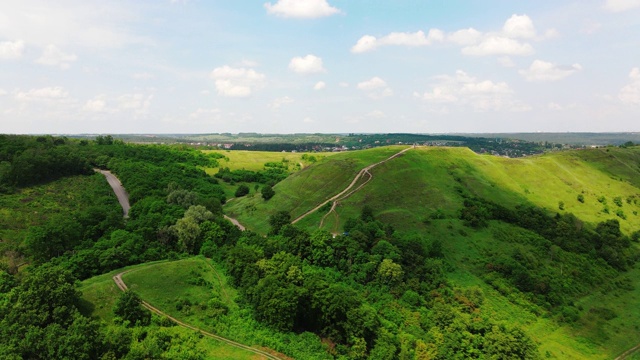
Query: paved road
263, 354
118, 189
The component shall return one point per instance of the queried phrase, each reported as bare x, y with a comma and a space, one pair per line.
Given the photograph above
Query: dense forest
369, 293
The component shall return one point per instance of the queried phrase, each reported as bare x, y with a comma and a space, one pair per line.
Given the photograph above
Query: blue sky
285, 66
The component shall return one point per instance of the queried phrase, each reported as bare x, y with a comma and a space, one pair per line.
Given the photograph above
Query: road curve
118, 189
118, 280
361, 173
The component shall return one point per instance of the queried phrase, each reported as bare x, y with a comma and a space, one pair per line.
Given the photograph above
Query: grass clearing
255, 160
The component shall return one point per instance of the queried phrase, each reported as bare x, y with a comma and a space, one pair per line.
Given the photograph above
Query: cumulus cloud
308, 120
376, 88
376, 114
509, 41
51, 93
498, 45
630, 94
319, 85
540, 71
301, 9
279, 102
306, 65
463, 90
236, 82
53, 56
3, 92
415, 39
10, 50
519, 26
621, 5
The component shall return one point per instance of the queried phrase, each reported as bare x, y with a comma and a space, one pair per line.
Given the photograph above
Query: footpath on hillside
347, 191
118, 280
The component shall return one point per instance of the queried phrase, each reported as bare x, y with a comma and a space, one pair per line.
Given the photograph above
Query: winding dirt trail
347, 191
628, 352
118, 189
264, 355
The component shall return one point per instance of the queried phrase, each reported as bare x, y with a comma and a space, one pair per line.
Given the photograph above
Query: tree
129, 308
242, 190
267, 192
278, 220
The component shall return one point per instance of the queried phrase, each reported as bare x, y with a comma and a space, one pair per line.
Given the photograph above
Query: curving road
118, 280
628, 352
118, 189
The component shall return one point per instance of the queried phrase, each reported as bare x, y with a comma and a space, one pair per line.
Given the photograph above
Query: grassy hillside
255, 160
407, 190
307, 188
422, 192
99, 295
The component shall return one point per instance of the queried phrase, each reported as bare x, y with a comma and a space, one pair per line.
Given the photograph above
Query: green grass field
255, 160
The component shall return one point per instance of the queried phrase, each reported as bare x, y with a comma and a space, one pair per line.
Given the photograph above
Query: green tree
279, 220
242, 190
267, 192
129, 308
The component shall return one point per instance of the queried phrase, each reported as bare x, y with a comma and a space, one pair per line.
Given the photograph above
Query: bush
581, 198
267, 192
242, 190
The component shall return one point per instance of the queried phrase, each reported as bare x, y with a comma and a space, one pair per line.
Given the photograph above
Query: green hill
407, 190
570, 301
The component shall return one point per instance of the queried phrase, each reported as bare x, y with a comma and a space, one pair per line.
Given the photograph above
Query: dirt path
628, 352
264, 355
235, 222
118, 189
346, 192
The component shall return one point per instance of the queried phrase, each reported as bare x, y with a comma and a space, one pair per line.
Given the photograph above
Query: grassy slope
307, 188
406, 190
99, 295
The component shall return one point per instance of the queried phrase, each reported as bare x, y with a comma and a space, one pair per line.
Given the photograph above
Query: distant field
255, 160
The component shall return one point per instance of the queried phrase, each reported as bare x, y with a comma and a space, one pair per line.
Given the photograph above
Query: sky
319, 66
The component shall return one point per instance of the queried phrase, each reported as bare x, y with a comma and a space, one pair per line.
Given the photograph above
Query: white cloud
51, 93
418, 38
468, 36
3, 92
306, 65
236, 82
376, 88
66, 23
506, 61
343, 84
277, 103
372, 84
301, 8
319, 85
621, 5
506, 41
97, 104
519, 26
630, 94
463, 90
11, 49
545, 71
308, 120
498, 45
53, 56
138, 103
